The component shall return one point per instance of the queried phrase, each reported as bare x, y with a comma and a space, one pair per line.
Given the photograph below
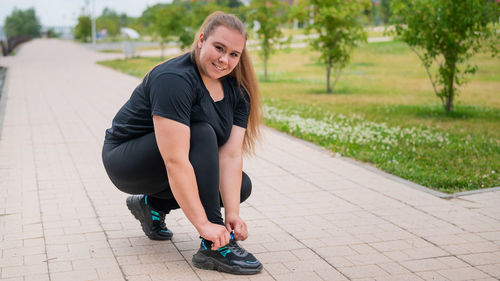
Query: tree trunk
449, 102
265, 69
328, 72
336, 75
450, 91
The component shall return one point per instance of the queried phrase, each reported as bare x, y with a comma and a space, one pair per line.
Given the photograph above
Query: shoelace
159, 225
235, 248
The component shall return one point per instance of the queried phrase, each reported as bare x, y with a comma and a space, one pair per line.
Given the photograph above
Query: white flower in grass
354, 129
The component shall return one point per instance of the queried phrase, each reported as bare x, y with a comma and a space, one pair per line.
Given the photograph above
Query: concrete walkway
311, 216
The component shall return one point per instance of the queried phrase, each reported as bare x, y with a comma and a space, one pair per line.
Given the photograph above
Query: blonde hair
243, 72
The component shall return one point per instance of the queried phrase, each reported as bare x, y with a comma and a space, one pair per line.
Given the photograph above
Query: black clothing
136, 167
175, 90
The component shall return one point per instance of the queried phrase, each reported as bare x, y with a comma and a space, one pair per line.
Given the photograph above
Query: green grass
384, 112
137, 67
111, 51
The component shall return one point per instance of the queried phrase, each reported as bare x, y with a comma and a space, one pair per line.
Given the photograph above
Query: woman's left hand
238, 226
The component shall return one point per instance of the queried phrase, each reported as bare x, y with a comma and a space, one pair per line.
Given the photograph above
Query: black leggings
136, 167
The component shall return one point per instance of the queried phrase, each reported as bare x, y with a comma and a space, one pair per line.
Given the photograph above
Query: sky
65, 12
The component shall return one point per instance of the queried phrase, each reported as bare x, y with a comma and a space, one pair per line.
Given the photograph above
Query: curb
371, 168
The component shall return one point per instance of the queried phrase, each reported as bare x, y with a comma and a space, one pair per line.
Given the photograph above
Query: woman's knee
203, 132
246, 187
203, 151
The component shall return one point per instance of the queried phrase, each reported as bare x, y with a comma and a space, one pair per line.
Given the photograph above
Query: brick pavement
311, 216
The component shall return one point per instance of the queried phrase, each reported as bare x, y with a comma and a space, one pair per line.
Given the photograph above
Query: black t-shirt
174, 90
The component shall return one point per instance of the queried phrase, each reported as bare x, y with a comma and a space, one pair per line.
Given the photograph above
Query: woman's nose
223, 58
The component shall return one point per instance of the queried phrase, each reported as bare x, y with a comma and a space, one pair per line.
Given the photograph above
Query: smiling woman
178, 143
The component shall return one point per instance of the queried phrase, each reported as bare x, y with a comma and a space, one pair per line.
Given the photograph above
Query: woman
178, 142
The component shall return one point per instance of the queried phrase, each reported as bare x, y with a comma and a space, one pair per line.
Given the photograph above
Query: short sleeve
242, 110
172, 97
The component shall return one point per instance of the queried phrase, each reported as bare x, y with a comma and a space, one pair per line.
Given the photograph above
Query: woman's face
220, 52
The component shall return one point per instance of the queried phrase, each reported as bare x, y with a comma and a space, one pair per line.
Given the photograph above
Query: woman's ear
200, 40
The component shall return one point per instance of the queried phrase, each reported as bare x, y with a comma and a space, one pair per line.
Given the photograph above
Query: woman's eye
219, 48
234, 55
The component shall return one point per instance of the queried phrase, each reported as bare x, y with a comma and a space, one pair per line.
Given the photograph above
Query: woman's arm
172, 138
230, 166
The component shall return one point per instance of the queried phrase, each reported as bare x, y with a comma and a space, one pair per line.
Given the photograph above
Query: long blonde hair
243, 72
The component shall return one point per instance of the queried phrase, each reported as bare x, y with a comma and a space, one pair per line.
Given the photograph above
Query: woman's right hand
216, 233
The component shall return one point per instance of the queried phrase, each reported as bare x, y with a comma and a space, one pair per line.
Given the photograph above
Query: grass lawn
384, 112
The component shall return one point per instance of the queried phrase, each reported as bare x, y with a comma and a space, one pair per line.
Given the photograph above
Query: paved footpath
312, 216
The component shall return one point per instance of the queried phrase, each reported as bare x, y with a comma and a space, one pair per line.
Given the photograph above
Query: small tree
196, 13
339, 31
385, 10
22, 22
446, 34
168, 22
109, 20
268, 16
83, 29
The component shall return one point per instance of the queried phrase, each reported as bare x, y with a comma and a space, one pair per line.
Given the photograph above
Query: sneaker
152, 221
230, 258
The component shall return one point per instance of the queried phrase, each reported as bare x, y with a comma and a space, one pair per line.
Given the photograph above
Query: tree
22, 23
168, 21
83, 29
267, 16
339, 31
447, 34
385, 10
229, 3
109, 20
197, 12
177, 21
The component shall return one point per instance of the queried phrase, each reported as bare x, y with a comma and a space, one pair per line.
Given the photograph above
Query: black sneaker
152, 221
230, 258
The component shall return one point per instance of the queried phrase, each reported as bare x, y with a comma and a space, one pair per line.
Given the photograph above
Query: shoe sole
203, 262
136, 210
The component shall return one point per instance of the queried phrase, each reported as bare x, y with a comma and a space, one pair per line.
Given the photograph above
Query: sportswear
175, 90
152, 221
231, 258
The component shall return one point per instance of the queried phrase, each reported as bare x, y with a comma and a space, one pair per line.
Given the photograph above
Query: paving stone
424, 265
393, 268
138, 269
363, 271
22, 270
432, 276
491, 269
374, 258
481, 258
466, 273
304, 254
88, 274
62, 266
277, 268
336, 251
139, 278
282, 256
310, 276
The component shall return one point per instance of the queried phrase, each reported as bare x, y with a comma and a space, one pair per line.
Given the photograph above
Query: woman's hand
216, 233
238, 226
